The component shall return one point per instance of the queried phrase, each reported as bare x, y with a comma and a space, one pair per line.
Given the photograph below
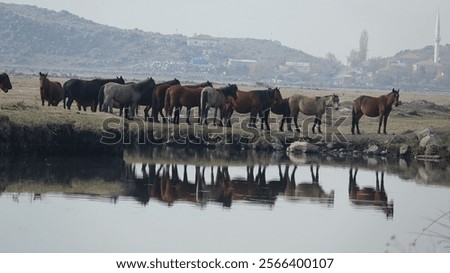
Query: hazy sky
314, 26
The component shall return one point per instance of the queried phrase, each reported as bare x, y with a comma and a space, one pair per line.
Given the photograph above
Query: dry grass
23, 106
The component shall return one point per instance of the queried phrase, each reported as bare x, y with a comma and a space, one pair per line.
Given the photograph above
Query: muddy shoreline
68, 139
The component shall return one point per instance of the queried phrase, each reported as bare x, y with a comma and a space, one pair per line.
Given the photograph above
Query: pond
187, 200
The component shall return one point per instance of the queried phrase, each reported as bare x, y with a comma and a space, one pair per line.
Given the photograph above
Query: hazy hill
44, 39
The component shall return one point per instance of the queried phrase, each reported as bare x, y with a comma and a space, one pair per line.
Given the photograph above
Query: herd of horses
172, 96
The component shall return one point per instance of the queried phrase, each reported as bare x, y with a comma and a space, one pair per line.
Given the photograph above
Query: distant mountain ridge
39, 37
34, 39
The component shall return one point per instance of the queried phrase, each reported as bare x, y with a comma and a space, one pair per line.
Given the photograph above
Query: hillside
41, 39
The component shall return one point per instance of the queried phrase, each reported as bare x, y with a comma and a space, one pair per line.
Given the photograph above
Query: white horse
216, 98
312, 107
125, 94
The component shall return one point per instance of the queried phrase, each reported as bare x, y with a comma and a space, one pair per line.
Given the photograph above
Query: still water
182, 200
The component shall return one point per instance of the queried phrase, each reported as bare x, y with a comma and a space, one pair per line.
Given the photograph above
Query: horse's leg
164, 119
289, 123
177, 114
252, 119
215, 116
385, 123
296, 121
355, 121
169, 112
282, 124
188, 113
380, 122
318, 122
261, 117
146, 110
228, 117
266, 117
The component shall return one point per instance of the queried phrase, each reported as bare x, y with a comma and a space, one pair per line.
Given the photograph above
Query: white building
203, 40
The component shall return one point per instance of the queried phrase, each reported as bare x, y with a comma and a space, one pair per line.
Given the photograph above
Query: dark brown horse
159, 95
147, 98
51, 91
85, 91
257, 102
178, 96
374, 107
283, 109
5, 83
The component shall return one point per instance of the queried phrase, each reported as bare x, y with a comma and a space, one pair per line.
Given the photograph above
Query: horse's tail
101, 98
65, 94
353, 113
203, 101
167, 101
154, 105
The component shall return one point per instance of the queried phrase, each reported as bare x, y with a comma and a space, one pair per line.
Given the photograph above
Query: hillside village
36, 39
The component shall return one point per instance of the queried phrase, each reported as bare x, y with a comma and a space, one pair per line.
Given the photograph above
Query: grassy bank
28, 127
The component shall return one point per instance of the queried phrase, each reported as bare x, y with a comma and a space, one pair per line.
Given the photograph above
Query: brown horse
178, 96
374, 107
256, 102
5, 83
158, 100
51, 91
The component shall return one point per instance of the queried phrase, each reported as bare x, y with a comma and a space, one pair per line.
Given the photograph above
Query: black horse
5, 83
283, 108
148, 97
84, 91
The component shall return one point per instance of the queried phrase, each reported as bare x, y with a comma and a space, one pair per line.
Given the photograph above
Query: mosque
437, 40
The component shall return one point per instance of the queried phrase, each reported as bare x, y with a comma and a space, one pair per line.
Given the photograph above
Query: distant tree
357, 58
363, 46
352, 59
331, 57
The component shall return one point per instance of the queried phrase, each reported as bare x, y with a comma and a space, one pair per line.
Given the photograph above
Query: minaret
437, 40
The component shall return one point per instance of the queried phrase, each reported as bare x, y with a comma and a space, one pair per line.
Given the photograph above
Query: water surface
184, 200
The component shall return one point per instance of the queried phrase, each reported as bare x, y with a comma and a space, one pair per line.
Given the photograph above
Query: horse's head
232, 90
335, 102
120, 80
277, 98
396, 94
42, 79
5, 83
208, 83
175, 81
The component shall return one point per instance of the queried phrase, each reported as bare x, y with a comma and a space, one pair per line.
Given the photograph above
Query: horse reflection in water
168, 185
370, 196
307, 190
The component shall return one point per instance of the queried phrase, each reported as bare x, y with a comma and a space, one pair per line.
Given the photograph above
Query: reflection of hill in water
161, 174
